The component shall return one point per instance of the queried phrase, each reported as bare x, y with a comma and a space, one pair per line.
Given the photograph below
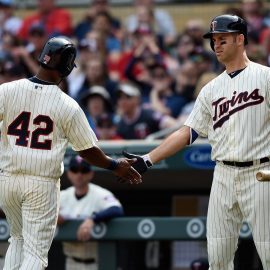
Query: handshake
141, 164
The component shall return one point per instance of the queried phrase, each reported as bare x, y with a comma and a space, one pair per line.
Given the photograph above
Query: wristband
147, 160
113, 165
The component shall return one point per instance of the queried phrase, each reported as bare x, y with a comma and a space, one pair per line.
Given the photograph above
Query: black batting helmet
227, 24
58, 53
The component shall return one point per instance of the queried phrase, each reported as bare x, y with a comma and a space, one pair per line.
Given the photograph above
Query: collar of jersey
36, 80
235, 73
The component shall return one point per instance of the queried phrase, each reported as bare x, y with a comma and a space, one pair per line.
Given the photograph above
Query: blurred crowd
135, 76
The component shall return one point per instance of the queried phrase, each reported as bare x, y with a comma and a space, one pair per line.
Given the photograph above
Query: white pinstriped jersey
97, 199
234, 114
38, 123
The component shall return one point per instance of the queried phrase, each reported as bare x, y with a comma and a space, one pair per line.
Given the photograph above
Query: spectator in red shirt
56, 21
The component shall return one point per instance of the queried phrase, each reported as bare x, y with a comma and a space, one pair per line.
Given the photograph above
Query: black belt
86, 261
246, 163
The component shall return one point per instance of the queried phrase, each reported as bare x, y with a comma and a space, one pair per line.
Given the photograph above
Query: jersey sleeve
79, 133
200, 117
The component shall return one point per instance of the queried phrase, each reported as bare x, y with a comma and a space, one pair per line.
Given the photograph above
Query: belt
86, 261
246, 163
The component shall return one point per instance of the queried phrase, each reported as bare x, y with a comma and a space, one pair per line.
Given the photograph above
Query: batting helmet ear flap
66, 63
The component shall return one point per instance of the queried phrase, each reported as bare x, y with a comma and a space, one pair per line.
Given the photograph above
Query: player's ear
240, 39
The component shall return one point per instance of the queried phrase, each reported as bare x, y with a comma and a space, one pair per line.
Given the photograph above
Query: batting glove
142, 163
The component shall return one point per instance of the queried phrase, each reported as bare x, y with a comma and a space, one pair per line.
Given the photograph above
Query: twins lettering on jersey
224, 107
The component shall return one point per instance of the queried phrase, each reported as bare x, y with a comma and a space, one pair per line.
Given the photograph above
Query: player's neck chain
37, 80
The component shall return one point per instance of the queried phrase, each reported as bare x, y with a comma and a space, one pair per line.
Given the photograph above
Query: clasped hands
139, 164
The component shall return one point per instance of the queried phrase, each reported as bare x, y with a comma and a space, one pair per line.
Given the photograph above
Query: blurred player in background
87, 202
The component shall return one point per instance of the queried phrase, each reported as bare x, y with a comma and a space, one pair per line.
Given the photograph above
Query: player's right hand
126, 173
140, 165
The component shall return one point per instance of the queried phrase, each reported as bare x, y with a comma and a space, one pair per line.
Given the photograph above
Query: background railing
136, 228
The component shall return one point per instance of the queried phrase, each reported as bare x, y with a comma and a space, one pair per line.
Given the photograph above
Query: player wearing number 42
39, 121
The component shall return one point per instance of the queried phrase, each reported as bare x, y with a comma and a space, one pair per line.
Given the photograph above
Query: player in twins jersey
233, 112
39, 121
89, 203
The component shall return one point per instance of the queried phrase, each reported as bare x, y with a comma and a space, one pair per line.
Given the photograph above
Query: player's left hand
126, 173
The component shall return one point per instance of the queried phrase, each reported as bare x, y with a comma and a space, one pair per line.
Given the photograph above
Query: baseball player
39, 121
233, 111
89, 203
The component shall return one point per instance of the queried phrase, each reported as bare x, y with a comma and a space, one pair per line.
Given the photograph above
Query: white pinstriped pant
235, 196
31, 206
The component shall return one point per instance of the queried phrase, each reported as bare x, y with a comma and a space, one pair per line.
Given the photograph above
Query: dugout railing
132, 228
